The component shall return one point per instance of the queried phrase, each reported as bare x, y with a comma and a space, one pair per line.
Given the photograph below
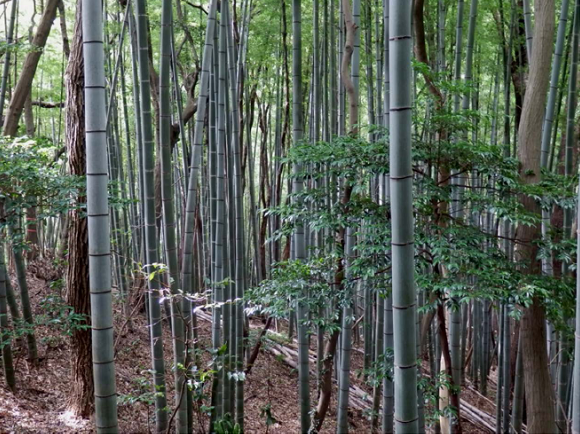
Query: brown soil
39, 403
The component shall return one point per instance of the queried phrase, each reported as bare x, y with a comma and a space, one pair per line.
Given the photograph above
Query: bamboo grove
382, 194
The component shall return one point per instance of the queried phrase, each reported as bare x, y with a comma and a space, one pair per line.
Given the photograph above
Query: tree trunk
31, 233
326, 381
536, 376
77, 280
22, 89
29, 115
6, 66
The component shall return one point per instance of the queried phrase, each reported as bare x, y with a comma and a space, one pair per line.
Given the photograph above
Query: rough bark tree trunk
32, 233
77, 289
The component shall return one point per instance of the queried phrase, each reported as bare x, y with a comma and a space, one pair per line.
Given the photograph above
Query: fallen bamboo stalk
359, 399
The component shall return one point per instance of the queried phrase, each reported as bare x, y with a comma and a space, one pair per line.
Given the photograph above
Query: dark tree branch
421, 49
196, 6
65, 41
49, 105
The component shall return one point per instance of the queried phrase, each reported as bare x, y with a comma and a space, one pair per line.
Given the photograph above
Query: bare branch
196, 6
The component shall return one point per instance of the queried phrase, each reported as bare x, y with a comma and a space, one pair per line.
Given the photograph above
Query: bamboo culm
401, 185
169, 222
148, 198
98, 220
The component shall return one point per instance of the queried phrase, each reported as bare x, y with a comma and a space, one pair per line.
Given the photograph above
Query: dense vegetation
396, 180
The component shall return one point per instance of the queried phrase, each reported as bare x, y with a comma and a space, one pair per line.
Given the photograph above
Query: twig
181, 393
256, 349
137, 306
196, 6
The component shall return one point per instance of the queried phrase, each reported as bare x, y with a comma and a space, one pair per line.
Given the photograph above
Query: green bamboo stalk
253, 207
346, 343
118, 231
562, 382
485, 348
216, 402
27, 315
316, 109
529, 30
570, 114
219, 261
5, 341
576, 386
316, 64
333, 86
457, 212
369, 67
420, 397
11, 298
388, 386
138, 136
465, 106
187, 266
341, 113
179, 103
495, 105
551, 104
367, 325
458, 52
469, 52
560, 99
563, 358
355, 65
274, 193
549, 121
500, 366
441, 9
298, 236
169, 222
229, 233
401, 187
576, 368
379, 351
98, 220
506, 350
205, 76
151, 243
133, 215
238, 206
475, 341
518, 403
326, 96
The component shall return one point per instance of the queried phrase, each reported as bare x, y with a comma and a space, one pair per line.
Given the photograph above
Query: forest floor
39, 404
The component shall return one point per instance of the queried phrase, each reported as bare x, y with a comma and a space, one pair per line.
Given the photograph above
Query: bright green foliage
458, 245
30, 177
308, 282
